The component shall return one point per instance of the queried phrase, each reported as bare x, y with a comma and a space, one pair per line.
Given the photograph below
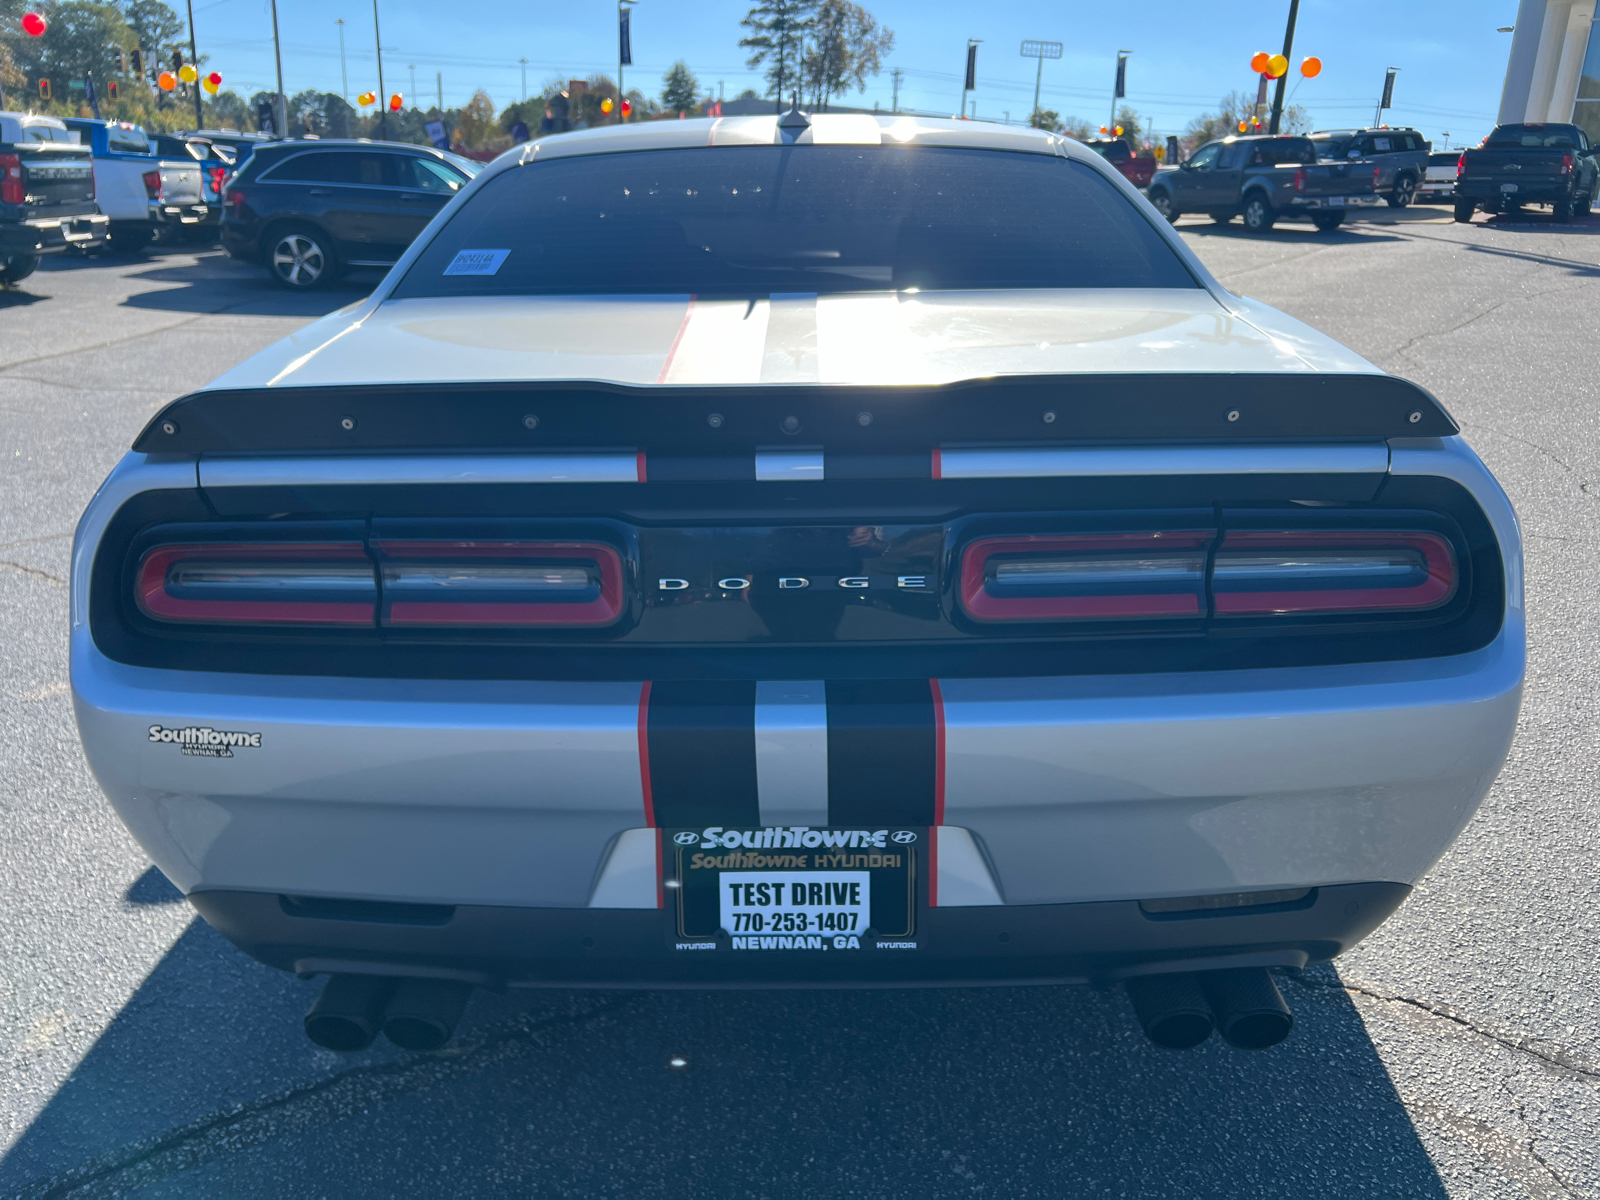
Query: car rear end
47, 197
1520, 164
1438, 185
175, 189
883, 636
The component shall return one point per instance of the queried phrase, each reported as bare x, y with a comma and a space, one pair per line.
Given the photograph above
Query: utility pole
896, 75
1119, 89
969, 82
194, 57
344, 76
383, 97
438, 78
1283, 80
412, 67
280, 105
524, 64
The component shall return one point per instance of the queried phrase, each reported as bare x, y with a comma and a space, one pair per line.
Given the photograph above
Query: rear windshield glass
1282, 150
48, 133
127, 141
760, 219
1444, 160
1563, 137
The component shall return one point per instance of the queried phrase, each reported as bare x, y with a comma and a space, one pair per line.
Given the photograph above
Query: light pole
1283, 80
383, 97
624, 49
412, 67
194, 57
344, 76
969, 81
524, 63
896, 75
1041, 51
280, 104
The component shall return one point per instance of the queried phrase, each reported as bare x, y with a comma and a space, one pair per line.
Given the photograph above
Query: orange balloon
1311, 68
166, 81
396, 103
1277, 66
1243, 127
1258, 62
367, 98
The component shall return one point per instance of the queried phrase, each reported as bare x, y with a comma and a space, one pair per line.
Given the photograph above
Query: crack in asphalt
16, 566
34, 541
1402, 352
342, 1094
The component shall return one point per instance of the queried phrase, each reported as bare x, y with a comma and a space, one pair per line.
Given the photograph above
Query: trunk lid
1516, 163
56, 176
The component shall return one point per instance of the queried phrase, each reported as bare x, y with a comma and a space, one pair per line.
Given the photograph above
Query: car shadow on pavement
204, 1085
1344, 235
212, 283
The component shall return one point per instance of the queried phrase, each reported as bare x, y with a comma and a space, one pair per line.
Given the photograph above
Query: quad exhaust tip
1178, 1012
414, 1014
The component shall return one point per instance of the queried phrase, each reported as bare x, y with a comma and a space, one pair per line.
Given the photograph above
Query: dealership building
1554, 72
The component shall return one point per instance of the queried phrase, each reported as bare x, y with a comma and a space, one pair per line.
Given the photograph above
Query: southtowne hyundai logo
204, 742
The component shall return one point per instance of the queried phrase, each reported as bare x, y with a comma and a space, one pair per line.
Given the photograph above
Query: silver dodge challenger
798, 551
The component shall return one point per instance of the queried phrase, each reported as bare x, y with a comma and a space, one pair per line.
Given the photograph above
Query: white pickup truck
148, 198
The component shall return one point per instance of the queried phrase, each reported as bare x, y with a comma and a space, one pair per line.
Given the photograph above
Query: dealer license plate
1334, 201
793, 888
1508, 187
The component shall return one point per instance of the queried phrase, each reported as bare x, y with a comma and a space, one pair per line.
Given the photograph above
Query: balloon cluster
211, 83
1276, 66
367, 99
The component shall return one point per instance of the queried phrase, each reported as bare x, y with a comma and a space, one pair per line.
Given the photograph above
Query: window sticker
1383, 143
476, 262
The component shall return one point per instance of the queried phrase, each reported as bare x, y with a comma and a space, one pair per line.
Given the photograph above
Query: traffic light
136, 58
177, 61
44, 89
122, 62
111, 89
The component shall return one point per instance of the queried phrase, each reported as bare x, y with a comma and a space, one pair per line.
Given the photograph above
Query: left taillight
1088, 577
1300, 179
12, 189
512, 584
257, 583
1268, 572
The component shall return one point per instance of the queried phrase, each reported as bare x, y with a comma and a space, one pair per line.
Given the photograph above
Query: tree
748, 94
84, 38
681, 88
155, 26
1047, 119
777, 28
227, 110
476, 124
846, 46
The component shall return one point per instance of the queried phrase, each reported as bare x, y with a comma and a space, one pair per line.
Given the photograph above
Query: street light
1041, 51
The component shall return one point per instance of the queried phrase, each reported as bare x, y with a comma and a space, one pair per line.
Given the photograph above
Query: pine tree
777, 28
681, 88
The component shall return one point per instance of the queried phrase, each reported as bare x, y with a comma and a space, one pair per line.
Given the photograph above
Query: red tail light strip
1328, 571
431, 583
318, 583
1107, 576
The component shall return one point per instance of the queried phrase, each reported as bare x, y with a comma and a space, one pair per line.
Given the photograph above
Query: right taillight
1267, 572
271, 583
12, 190
1085, 577
152, 184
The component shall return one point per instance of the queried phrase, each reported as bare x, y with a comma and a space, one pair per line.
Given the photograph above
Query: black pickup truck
1264, 179
1528, 164
46, 194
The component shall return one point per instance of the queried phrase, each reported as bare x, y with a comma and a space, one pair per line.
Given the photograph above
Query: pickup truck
1139, 169
216, 164
148, 198
1528, 164
1264, 179
46, 194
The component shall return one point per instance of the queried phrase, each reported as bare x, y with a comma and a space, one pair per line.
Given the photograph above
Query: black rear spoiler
1140, 407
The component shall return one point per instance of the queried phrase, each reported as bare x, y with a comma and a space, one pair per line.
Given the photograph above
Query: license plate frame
701, 866
1509, 188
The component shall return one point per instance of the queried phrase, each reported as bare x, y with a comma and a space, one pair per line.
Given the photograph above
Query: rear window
1444, 160
127, 141
41, 132
762, 219
1283, 150
1556, 137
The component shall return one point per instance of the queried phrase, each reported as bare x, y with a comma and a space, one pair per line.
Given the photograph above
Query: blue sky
1185, 55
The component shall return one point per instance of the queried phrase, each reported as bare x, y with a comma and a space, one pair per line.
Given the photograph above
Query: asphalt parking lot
1454, 1053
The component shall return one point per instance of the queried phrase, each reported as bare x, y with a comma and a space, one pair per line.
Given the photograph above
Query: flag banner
625, 37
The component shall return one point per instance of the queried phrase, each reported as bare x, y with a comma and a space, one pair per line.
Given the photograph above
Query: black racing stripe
881, 751
702, 740
676, 468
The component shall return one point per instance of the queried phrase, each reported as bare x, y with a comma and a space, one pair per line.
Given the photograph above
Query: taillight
288, 583
152, 184
235, 201
11, 189
1300, 179
218, 176
1566, 164
1461, 165
1376, 172
1259, 572
506, 583
1087, 577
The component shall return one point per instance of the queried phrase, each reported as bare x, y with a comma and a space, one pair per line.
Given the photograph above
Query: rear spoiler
1056, 409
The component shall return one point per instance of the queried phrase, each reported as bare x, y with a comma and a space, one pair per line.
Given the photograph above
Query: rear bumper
1326, 203
163, 213
1529, 191
51, 235
1061, 943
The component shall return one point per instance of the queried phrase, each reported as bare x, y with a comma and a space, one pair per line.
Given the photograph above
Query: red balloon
34, 25
214, 79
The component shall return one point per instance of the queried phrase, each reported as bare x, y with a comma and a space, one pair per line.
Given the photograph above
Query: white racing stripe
721, 341
790, 355
792, 752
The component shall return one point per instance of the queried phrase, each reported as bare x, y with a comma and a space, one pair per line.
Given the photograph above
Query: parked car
1265, 179
1439, 184
1399, 154
1528, 164
216, 161
755, 552
46, 194
147, 197
1138, 169
310, 210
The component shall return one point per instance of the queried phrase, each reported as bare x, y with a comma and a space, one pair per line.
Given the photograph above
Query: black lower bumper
1490, 196
582, 947
51, 235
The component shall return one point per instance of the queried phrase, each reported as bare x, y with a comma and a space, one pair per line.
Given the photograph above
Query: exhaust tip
347, 1013
423, 1013
1172, 1010
1250, 1010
